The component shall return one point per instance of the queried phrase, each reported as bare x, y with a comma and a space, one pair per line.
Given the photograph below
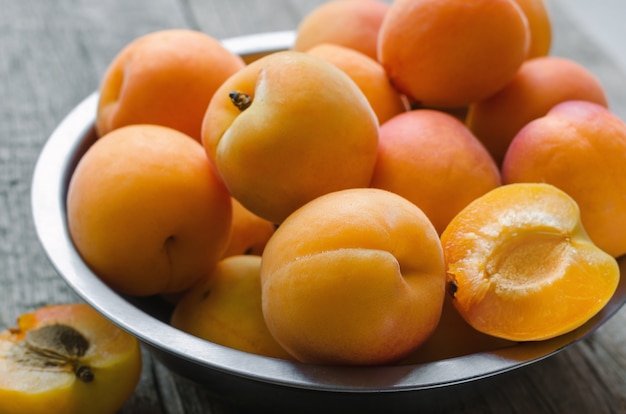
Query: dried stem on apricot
240, 100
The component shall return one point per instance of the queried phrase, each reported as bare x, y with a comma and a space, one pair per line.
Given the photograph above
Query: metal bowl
251, 380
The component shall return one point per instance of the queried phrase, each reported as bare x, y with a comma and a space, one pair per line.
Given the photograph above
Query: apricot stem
241, 100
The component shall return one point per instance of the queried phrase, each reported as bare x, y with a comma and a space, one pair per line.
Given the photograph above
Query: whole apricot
225, 308
249, 233
539, 85
370, 77
579, 147
165, 78
66, 359
146, 211
430, 158
354, 277
349, 23
521, 267
540, 26
287, 129
449, 53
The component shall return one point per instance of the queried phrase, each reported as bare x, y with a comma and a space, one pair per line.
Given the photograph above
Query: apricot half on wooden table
66, 359
354, 277
520, 265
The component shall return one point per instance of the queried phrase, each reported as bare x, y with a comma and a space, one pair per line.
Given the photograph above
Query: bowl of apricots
299, 221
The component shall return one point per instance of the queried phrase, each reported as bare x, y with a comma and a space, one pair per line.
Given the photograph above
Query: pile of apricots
410, 181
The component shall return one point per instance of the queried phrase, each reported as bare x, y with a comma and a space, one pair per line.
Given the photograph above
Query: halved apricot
520, 265
66, 359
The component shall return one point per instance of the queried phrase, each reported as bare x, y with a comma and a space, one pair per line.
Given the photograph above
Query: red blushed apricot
521, 267
449, 53
433, 160
539, 85
580, 147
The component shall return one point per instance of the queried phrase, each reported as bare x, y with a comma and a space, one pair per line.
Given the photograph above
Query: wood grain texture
53, 53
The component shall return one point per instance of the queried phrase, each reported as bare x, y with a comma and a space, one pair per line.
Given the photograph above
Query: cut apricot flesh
520, 266
66, 359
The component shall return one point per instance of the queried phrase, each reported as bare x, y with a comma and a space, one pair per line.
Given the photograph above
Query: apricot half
66, 359
355, 277
520, 265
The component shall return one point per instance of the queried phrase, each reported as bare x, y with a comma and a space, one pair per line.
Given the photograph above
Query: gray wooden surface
52, 54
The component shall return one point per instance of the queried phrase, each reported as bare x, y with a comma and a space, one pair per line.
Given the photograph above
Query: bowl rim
52, 171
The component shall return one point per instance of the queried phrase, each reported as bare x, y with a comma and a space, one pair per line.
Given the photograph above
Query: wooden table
53, 53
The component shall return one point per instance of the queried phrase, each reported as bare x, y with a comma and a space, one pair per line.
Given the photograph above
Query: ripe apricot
453, 338
579, 147
433, 160
449, 53
146, 211
540, 84
349, 23
164, 78
520, 265
225, 308
66, 359
370, 77
249, 233
354, 277
540, 26
288, 128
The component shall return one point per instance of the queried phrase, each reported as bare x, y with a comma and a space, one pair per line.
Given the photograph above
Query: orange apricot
521, 267
453, 338
540, 26
249, 233
66, 359
225, 308
449, 53
433, 160
146, 211
164, 78
580, 147
540, 84
354, 277
370, 77
349, 23
288, 128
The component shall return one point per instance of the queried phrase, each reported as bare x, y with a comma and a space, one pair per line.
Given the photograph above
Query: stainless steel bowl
251, 380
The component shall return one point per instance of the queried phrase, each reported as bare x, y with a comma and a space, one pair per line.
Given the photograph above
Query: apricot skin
539, 85
521, 267
225, 308
165, 78
449, 53
579, 147
370, 77
350, 23
540, 26
309, 130
433, 160
354, 277
146, 211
